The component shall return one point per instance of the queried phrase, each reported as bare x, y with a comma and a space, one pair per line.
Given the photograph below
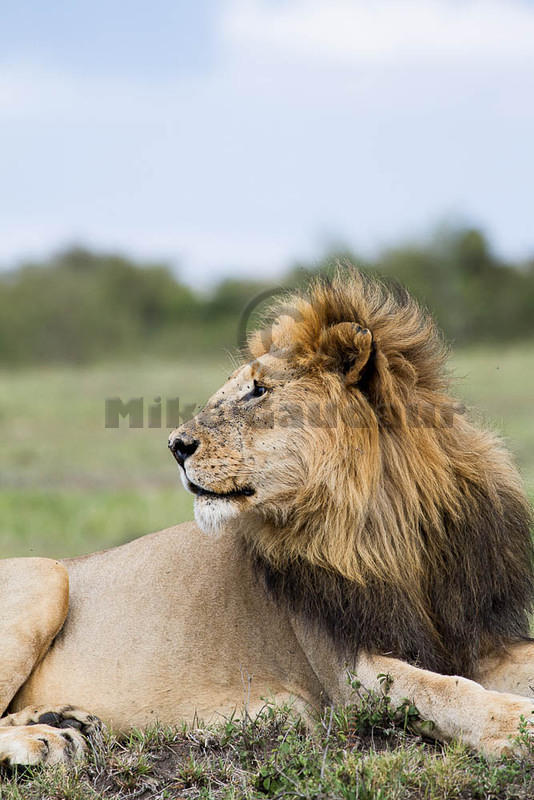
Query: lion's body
361, 522
169, 627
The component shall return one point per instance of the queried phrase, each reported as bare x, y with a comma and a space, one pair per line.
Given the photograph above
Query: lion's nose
182, 447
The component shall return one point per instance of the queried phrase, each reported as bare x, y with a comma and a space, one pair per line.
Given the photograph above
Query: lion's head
359, 487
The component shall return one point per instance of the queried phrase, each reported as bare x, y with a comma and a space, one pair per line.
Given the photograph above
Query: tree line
80, 305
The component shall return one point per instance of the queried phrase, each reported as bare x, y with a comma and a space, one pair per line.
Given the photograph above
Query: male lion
361, 524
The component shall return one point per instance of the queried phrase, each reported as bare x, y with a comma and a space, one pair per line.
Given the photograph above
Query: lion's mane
423, 548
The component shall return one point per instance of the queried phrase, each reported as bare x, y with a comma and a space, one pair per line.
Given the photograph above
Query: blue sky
236, 136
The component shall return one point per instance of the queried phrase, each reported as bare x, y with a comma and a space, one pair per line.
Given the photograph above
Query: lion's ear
347, 347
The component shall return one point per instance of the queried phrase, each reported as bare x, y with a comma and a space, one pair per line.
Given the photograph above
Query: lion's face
268, 439
238, 453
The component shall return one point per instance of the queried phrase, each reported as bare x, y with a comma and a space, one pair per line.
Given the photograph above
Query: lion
350, 520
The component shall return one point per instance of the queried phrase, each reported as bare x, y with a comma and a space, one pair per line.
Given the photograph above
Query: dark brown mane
478, 602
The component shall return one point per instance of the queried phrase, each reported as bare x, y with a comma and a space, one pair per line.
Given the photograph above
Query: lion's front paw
40, 744
509, 728
64, 716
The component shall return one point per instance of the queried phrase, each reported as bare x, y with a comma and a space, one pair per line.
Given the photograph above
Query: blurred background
164, 163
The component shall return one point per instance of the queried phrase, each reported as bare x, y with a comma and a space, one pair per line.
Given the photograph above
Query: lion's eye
257, 391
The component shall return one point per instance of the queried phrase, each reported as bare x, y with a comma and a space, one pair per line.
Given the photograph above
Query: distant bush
80, 306
473, 295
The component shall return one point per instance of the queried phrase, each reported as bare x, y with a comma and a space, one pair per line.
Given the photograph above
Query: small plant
523, 741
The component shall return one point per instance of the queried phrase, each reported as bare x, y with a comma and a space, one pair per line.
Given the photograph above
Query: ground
69, 485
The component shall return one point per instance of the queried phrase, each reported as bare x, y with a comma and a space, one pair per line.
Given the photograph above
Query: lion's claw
45, 735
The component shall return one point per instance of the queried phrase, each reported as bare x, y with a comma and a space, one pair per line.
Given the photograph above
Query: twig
325, 751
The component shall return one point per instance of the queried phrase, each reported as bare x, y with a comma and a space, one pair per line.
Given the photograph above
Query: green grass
498, 387
361, 752
69, 522
69, 485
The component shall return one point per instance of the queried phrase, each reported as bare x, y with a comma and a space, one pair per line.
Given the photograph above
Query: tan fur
354, 498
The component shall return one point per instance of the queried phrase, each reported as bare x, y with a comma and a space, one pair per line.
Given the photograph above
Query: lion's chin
212, 515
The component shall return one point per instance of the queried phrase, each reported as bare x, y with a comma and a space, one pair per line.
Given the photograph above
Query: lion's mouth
200, 491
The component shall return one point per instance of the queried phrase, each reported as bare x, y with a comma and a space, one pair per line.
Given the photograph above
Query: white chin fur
212, 515
184, 480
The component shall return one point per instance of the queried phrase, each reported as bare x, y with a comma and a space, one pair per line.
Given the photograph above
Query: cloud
29, 89
262, 46
358, 31
364, 120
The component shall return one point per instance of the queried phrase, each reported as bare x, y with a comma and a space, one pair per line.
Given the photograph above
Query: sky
234, 137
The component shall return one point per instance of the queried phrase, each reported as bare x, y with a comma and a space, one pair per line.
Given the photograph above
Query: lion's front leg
456, 707
33, 606
509, 670
34, 601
